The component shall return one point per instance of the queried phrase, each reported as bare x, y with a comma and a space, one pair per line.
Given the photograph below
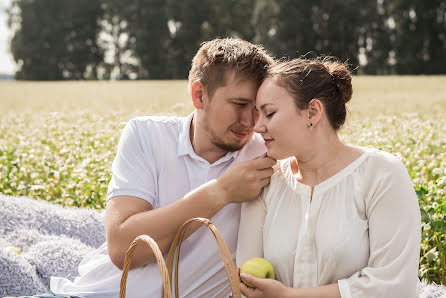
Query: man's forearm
128, 219
163, 223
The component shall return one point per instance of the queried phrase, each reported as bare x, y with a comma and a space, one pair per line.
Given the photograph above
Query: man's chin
230, 147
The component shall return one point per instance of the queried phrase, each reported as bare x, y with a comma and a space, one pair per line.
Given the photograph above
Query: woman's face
283, 127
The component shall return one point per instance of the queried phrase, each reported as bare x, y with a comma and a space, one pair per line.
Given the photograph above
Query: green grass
58, 140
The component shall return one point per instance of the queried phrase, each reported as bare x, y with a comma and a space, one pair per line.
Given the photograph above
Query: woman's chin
277, 155
272, 155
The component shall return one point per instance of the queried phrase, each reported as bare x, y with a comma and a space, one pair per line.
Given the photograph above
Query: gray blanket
53, 240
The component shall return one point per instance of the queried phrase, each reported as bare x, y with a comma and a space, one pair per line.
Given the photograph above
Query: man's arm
128, 217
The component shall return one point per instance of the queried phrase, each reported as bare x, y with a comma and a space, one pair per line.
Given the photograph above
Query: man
169, 169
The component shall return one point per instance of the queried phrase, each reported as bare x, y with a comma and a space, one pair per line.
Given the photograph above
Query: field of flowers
58, 140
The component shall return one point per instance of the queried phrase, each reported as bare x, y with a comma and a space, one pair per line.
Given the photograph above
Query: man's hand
245, 180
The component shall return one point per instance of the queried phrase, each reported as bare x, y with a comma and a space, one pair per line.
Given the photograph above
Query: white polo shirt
155, 161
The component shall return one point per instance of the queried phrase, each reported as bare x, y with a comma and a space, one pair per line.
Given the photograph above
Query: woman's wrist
289, 292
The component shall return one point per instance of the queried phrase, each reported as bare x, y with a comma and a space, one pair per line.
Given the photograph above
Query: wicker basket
223, 248
167, 292
174, 257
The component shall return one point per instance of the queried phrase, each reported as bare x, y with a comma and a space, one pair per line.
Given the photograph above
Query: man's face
229, 116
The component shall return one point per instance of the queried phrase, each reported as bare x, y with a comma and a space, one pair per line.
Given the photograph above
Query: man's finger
264, 182
265, 162
260, 156
265, 173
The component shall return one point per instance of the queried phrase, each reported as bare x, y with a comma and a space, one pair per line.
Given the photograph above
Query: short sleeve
394, 232
133, 169
250, 235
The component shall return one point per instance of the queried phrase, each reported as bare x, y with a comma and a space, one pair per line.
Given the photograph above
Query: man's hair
216, 59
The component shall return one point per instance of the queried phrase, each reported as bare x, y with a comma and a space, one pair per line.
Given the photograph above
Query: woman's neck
327, 159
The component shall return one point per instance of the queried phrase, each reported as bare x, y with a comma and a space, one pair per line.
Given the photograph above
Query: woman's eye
270, 114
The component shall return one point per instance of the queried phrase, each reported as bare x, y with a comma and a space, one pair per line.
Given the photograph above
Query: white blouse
362, 229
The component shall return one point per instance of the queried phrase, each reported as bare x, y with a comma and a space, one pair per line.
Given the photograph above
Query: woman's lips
267, 141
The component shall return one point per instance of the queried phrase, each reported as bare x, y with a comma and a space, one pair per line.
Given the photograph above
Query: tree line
156, 39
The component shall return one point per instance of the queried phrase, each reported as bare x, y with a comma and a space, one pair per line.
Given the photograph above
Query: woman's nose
260, 126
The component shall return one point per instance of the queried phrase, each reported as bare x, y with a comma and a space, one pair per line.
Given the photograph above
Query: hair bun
341, 77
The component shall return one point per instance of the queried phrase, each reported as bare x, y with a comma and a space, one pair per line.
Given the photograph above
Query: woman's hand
265, 288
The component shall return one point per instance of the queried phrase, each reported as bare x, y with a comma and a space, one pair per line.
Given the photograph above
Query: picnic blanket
53, 240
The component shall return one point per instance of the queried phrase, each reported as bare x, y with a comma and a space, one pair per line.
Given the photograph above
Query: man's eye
270, 114
241, 104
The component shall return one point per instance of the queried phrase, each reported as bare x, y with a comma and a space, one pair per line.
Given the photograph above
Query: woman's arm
266, 288
250, 235
394, 233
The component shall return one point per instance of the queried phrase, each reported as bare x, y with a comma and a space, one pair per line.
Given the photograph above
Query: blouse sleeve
395, 234
250, 235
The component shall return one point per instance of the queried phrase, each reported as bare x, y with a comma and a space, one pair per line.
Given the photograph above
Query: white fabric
362, 229
156, 162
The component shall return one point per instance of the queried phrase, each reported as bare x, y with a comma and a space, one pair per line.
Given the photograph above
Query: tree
193, 22
115, 41
150, 37
294, 28
375, 35
55, 39
420, 39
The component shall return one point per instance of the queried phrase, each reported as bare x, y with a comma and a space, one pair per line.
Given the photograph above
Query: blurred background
156, 39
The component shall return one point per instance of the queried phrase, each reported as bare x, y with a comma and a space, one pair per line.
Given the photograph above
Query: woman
336, 220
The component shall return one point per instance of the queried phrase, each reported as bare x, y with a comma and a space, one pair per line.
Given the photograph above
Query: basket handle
167, 292
222, 247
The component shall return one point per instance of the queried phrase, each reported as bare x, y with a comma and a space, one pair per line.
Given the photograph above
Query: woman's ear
315, 110
197, 93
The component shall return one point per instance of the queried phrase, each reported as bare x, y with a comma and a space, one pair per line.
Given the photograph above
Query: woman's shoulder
382, 160
383, 168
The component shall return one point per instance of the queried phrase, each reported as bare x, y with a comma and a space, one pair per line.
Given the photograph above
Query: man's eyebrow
242, 99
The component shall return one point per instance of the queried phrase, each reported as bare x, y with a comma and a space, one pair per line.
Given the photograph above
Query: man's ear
315, 110
198, 92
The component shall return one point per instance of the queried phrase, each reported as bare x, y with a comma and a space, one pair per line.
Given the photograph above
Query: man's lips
240, 134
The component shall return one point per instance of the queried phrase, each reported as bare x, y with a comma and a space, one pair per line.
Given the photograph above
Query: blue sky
7, 64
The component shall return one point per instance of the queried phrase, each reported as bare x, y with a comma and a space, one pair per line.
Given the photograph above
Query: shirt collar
185, 146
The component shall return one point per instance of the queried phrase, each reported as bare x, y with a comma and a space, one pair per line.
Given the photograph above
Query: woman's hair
217, 58
326, 79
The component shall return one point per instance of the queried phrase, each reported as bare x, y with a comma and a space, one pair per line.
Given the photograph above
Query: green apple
257, 267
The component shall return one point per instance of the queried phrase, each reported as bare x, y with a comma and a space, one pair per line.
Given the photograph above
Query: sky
7, 65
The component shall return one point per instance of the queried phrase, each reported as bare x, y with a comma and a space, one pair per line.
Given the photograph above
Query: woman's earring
311, 126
